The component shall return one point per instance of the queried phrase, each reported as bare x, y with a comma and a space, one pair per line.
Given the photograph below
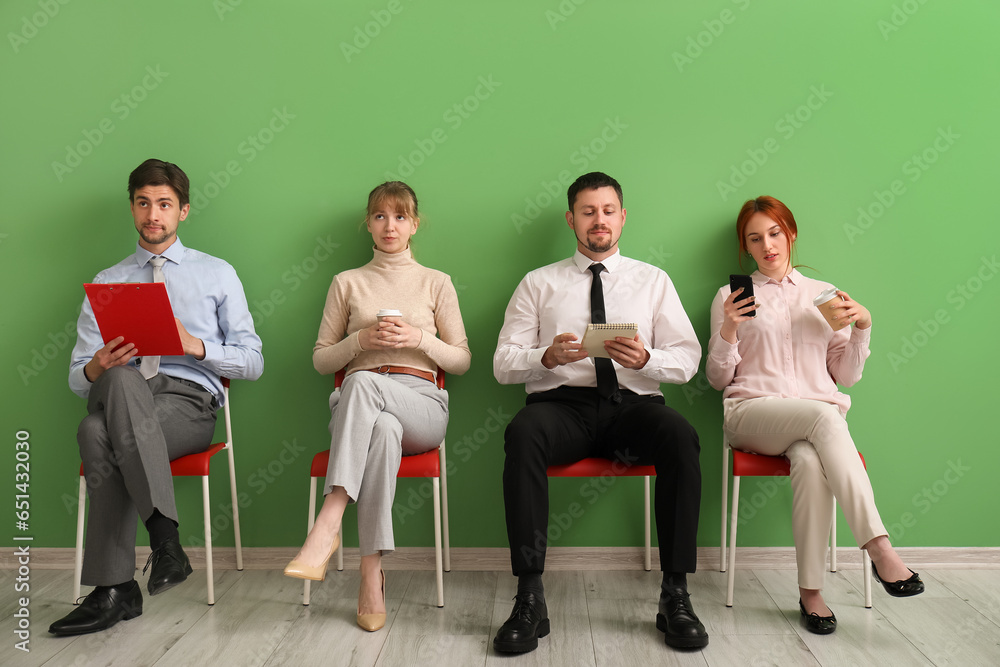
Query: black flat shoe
820, 625
903, 588
101, 609
528, 622
170, 567
676, 618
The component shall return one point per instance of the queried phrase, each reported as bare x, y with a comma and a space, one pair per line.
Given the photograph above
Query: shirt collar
610, 263
760, 279
174, 253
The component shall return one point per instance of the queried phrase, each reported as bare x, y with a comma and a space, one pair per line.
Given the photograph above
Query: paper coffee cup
388, 312
826, 301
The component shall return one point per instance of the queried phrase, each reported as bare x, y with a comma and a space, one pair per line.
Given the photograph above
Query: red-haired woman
779, 372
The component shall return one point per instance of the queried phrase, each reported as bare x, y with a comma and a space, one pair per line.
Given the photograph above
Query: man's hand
629, 352
564, 350
193, 346
109, 357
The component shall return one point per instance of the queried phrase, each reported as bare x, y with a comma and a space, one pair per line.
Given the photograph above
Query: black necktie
607, 380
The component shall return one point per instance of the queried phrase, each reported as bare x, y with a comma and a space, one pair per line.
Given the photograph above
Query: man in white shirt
579, 407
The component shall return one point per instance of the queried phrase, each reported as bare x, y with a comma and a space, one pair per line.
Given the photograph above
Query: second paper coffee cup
826, 302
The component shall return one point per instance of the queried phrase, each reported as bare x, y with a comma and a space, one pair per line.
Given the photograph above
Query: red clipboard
140, 312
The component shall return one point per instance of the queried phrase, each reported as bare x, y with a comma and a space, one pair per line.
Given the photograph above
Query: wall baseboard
557, 558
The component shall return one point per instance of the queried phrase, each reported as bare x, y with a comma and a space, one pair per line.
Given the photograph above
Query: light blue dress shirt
207, 297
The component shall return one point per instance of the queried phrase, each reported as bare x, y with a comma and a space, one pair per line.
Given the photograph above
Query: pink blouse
788, 350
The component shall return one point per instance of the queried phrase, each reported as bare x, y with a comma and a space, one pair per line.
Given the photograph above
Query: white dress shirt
207, 296
555, 299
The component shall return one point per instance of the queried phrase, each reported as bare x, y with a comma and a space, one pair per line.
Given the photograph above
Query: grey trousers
377, 419
134, 429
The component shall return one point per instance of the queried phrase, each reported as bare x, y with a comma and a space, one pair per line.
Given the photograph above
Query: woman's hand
852, 311
736, 311
390, 332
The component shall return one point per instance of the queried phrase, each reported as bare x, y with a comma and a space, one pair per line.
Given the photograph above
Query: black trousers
567, 424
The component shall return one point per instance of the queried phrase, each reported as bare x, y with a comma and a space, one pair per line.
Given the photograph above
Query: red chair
746, 464
192, 465
430, 464
599, 467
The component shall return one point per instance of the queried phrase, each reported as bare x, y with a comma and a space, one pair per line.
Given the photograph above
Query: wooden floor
598, 618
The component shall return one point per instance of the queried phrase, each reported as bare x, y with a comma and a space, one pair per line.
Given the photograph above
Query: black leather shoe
903, 588
677, 619
101, 609
170, 567
527, 623
820, 625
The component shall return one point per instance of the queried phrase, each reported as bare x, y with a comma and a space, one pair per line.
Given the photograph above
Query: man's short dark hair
158, 172
593, 181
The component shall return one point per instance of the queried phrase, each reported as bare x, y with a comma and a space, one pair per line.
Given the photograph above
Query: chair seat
192, 465
427, 464
748, 464
598, 467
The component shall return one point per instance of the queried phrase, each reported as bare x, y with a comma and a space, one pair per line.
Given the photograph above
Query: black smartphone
738, 281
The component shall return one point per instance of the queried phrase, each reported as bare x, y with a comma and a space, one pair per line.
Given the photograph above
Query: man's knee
520, 438
92, 435
127, 376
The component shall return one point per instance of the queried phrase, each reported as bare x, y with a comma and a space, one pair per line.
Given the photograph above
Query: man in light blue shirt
145, 412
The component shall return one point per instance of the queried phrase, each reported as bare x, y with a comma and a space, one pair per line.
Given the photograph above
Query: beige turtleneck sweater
427, 300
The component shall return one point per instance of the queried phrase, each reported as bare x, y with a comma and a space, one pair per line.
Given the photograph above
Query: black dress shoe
170, 567
903, 588
820, 625
104, 607
677, 619
527, 623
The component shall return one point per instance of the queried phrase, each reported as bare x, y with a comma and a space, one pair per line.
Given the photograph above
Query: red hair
773, 209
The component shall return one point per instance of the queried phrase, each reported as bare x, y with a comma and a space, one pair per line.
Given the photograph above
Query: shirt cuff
214, 354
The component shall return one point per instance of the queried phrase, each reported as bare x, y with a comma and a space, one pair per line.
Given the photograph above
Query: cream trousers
824, 465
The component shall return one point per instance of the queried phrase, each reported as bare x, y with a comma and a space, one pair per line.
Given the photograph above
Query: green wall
285, 115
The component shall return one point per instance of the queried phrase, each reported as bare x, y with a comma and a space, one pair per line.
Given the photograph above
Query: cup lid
825, 296
389, 312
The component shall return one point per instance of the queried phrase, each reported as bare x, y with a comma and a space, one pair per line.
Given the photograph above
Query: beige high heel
373, 622
300, 570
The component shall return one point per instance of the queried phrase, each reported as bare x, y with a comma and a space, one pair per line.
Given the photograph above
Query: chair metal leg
236, 506
78, 556
444, 510
648, 562
309, 526
208, 541
731, 583
866, 572
438, 564
833, 539
725, 503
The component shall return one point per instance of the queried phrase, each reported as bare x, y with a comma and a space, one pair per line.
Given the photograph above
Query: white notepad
596, 334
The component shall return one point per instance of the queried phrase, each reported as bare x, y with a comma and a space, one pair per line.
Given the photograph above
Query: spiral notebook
596, 334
